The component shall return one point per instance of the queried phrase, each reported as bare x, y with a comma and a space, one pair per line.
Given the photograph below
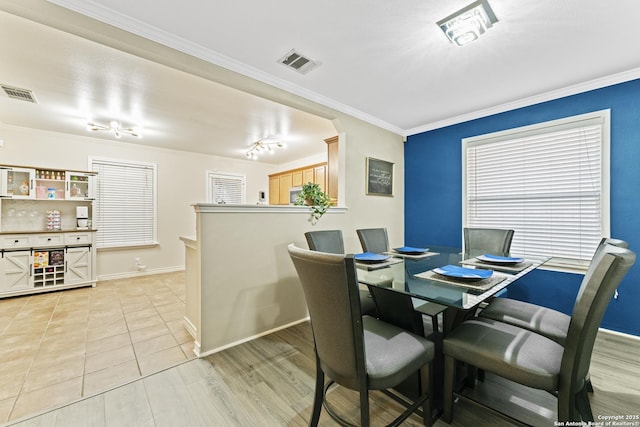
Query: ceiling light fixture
469, 23
114, 126
261, 146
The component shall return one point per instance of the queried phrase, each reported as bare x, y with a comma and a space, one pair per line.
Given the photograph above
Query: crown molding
103, 14
532, 100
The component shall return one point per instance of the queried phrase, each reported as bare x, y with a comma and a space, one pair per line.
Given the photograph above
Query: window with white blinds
548, 182
223, 188
125, 206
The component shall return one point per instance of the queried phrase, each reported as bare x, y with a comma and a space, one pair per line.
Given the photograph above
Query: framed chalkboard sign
379, 179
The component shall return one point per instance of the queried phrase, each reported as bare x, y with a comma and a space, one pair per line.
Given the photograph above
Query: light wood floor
61, 346
269, 382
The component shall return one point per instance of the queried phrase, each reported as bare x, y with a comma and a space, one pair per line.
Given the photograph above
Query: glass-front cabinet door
80, 185
17, 183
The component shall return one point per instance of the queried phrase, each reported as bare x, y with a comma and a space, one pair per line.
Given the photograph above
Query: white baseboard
244, 340
620, 334
129, 274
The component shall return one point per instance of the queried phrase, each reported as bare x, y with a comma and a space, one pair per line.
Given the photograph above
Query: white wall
248, 283
181, 183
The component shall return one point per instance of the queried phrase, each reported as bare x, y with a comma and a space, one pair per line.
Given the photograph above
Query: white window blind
226, 188
547, 182
125, 207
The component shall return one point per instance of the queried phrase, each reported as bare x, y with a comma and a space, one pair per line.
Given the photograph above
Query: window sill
132, 246
563, 265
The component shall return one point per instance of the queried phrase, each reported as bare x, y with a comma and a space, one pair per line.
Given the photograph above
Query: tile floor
58, 347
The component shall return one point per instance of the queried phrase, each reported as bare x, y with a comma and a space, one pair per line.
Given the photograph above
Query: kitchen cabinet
296, 178
18, 182
274, 190
280, 183
40, 262
320, 176
286, 182
332, 168
78, 265
79, 185
41, 246
15, 271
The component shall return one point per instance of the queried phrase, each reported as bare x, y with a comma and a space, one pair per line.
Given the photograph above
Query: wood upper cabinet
308, 175
280, 183
320, 176
274, 190
285, 185
296, 178
332, 169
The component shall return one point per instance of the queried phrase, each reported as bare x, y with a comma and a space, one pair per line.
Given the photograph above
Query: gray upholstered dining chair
541, 320
495, 241
376, 240
358, 352
533, 360
330, 241
373, 239
545, 321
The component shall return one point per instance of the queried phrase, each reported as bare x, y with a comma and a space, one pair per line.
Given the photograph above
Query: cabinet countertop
69, 230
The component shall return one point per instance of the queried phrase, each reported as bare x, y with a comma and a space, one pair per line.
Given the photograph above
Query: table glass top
413, 275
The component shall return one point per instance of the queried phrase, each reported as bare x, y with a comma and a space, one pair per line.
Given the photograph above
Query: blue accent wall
433, 192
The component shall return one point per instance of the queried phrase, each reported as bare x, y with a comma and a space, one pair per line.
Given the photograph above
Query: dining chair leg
567, 406
449, 379
364, 408
426, 385
583, 405
319, 395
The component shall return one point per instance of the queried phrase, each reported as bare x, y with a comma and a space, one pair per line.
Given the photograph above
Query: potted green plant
317, 200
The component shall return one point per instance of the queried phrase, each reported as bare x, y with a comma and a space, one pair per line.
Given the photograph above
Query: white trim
211, 207
130, 274
134, 26
619, 334
532, 100
101, 13
251, 338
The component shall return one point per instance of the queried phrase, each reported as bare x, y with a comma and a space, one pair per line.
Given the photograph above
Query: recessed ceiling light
469, 23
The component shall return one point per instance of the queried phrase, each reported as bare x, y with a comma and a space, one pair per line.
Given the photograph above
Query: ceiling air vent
298, 61
21, 94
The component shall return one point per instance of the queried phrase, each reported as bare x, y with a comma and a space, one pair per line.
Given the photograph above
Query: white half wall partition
241, 282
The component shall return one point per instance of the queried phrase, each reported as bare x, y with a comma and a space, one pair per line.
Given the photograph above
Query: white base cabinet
41, 262
15, 271
78, 265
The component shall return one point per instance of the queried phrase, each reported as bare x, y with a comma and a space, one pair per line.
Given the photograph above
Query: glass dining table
427, 291
414, 276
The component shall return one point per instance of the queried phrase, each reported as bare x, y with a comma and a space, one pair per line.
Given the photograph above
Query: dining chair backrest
608, 267
329, 283
601, 246
373, 239
329, 241
495, 241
